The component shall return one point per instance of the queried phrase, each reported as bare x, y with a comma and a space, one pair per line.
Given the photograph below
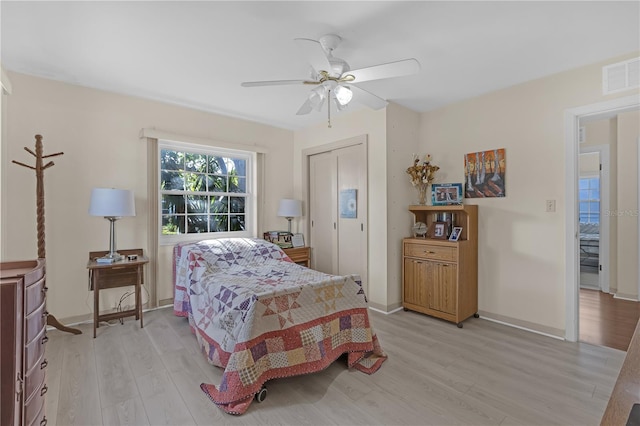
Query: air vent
621, 76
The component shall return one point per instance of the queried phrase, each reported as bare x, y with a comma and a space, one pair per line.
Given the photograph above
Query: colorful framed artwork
484, 174
446, 194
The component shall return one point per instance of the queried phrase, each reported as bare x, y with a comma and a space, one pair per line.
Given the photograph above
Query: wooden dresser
23, 319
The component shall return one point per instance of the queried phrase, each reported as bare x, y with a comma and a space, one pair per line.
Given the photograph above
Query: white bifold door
338, 211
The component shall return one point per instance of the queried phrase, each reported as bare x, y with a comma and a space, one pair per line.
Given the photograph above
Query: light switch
551, 206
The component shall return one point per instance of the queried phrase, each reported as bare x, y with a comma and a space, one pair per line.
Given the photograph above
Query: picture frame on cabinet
455, 233
446, 194
438, 230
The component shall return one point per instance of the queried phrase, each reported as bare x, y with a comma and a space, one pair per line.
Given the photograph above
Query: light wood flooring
607, 321
436, 374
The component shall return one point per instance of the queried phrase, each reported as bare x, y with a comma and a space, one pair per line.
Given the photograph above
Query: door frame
605, 223
306, 196
572, 119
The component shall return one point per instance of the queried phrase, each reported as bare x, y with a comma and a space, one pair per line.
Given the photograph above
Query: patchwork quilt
260, 316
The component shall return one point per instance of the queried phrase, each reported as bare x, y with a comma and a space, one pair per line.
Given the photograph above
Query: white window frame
591, 200
250, 203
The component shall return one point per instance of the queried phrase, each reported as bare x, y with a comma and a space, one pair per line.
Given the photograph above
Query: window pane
217, 183
172, 225
196, 182
236, 204
170, 181
583, 184
195, 162
595, 194
594, 183
237, 222
197, 203
584, 194
237, 184
171, 160
172, 204
216, 165
220, 204
218, 223
236, 166
584, 206
197, 224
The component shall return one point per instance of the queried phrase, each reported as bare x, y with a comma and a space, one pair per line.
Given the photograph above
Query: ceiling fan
335, 80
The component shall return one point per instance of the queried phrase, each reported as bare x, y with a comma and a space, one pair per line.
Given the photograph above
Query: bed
589, 247
259, 316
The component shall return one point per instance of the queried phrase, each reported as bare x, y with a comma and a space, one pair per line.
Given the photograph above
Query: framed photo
438, 230
445, 194
297, 240
455, 234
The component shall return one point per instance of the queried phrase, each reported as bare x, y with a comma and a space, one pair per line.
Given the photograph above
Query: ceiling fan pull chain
329, 107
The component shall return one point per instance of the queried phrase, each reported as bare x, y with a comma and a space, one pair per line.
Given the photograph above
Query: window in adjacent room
204, 191
589, 193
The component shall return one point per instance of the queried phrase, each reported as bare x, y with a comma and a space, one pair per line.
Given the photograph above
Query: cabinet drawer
34, 385
34, 411
35, 295
35, 323
35, 349
428, 251
118, 276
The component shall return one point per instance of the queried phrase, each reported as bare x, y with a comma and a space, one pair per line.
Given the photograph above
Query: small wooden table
117, 274
300, 255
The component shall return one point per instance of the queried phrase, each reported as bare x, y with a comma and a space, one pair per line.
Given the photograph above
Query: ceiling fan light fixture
317, 97
343, 94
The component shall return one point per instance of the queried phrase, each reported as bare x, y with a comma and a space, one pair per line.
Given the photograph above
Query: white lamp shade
109, 202
290, 208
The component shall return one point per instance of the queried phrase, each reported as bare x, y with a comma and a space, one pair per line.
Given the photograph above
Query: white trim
522, 328
572, 119
385, 313
605, 220
172, 137
638, 182
7, 88
624, 297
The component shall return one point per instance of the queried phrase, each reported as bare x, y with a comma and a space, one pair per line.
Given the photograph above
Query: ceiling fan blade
392, 69
313, 53
306, 108
367, 98
271, 83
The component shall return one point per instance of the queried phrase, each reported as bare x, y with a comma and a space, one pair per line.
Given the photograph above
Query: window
204, 192
589, 197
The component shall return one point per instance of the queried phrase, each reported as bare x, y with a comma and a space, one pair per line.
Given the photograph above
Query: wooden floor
606, 321
436, 374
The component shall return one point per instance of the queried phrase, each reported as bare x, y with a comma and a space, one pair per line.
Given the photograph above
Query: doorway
573, 119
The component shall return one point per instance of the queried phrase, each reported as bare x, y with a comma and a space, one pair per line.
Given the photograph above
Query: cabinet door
442, 285
415, 285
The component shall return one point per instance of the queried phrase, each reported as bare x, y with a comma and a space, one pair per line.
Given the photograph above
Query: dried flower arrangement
421, 175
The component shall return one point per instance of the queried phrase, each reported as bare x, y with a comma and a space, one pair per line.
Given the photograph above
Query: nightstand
300, 255
123, 273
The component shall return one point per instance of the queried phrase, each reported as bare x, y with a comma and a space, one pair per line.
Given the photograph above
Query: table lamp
289, 209
112, 204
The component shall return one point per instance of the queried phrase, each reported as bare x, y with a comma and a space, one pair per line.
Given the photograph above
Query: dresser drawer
34, 380
34, 411
35, 349
431, 252
117, 276
35, 295
35, 323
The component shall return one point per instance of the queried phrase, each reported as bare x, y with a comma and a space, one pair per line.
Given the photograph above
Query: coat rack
39, 169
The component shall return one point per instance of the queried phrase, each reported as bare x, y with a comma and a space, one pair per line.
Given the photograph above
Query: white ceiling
196, 54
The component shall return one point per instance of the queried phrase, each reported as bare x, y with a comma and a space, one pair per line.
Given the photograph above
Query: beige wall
521, 247
627, 211
98, 132
403, 126
372, 124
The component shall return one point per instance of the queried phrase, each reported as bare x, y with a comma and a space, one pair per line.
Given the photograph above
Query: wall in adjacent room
99, 135
521, 274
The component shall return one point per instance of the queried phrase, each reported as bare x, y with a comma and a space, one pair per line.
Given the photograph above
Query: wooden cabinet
440, 277
23, 318
300, 255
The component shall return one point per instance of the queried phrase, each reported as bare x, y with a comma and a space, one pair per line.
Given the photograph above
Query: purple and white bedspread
260, 316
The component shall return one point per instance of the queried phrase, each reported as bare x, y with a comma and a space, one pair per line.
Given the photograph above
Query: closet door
339, 232
322, 211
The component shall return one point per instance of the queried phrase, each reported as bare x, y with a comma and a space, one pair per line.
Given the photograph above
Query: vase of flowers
421, 174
